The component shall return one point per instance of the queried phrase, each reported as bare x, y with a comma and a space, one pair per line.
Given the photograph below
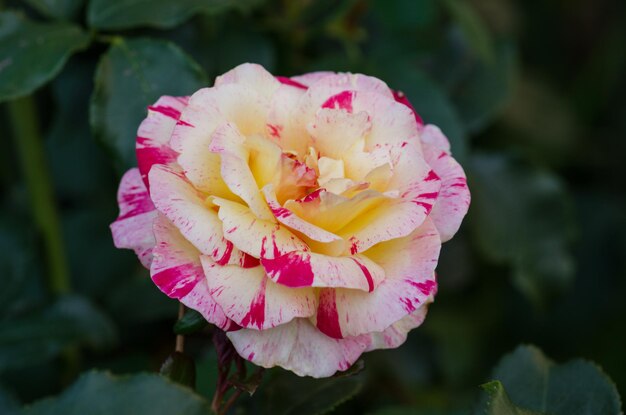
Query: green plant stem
180, 339
29, 145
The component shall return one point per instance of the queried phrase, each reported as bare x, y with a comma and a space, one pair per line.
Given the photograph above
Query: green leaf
521, 216
191, 322
163, 14
71, 320
499, 403
473, 27
577, 387
57, 9
180, 368
102, 393
130, 76
289, 394
68, 145
31, 54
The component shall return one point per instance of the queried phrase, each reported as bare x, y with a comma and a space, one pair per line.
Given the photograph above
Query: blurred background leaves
530, 93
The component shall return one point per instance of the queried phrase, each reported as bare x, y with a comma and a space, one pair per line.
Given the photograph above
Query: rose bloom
304, 216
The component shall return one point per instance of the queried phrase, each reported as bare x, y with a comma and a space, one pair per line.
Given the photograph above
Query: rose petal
133, 227
419, 188
401, 98
309, 269
333, 212
431, 134
310, 78
254, 236
176, 198
338, 82
298, 347
408, 264
391, 122
454, 197
177, 271
252, 300
283, 126
229, 143
252, 76
208, 109
396, 334
335, 131
287, 217
154, 134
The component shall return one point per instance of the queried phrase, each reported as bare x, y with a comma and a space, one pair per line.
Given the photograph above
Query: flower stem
180, 339
226, 355
29, 145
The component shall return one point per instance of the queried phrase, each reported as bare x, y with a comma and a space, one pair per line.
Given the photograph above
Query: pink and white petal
153, 136
133, 227
177, 271
310, 78
283, 126
299, 347
413, 176
408, 264
254, 236
408, 163
392, 122
208, 108
454, 196
203, 169
252, 76
252, 300
386, 222
288, 218
396, 334
291, 82
394, 217
334, 132
176, 198
431, 134
310, 269
229, 143
336, 83
358, 162
401, 98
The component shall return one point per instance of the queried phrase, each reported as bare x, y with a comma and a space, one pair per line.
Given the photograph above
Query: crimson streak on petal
292, 269
177, 282
256, 315
327, 316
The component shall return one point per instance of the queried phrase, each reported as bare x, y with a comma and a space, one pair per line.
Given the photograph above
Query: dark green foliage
534, 382
130, 76
102, 393
180, 368
532, 97
31, 54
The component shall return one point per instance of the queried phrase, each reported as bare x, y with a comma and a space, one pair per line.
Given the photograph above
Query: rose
304, 216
